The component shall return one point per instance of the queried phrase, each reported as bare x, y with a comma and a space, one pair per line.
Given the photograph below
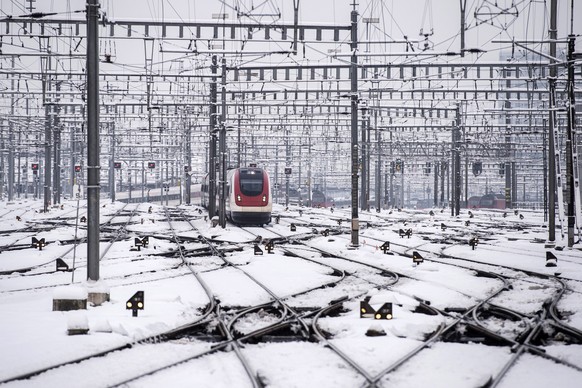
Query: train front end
250, 197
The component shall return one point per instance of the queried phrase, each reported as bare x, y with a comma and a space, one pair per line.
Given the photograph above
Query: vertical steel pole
379, 165
92, 140
463, 4
222, 151
56, 148
111, 164
551, 123
188, 170
354, 126
212, 143
47, 134
363, 161
508, 181
11, 142
436, 184
570, 138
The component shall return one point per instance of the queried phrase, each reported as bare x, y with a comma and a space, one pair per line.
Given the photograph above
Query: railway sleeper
561, 333
281, 332
499, 312
469, 333
423, 308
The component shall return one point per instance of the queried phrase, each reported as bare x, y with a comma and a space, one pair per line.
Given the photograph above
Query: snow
70, 293
33, 336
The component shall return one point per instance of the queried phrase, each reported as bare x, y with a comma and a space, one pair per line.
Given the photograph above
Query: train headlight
238, 198
264, 198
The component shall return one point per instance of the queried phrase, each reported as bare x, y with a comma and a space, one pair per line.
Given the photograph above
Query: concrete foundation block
69, 304
98, 298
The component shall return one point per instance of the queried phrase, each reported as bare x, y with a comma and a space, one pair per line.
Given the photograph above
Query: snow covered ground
35, 337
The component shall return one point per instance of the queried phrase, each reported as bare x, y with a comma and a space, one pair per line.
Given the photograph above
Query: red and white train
248, 196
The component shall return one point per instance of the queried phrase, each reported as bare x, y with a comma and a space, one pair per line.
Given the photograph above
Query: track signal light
417, 257
384, 312
551, 259
38, 243
141, 242
62, 266
270, 246
151, 165
473, 242
385, 247
367, 311
136, 302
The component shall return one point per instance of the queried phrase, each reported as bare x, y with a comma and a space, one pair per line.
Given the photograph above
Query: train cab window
251, 182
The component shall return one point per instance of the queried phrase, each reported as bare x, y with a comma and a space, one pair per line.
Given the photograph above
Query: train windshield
251, 182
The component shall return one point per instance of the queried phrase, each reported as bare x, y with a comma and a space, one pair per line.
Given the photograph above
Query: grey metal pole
92, 140
508, 184
11, 144
456, 165
188, 169
222, 151
436, 184
56, 149
364, 163
354, 126
463, 4
287, 165
111, 165
570, 138
545, 157
379, 165
47, 157
212, 144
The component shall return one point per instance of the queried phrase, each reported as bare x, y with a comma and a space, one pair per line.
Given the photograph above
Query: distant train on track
319, 199
248, 196
487, 201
